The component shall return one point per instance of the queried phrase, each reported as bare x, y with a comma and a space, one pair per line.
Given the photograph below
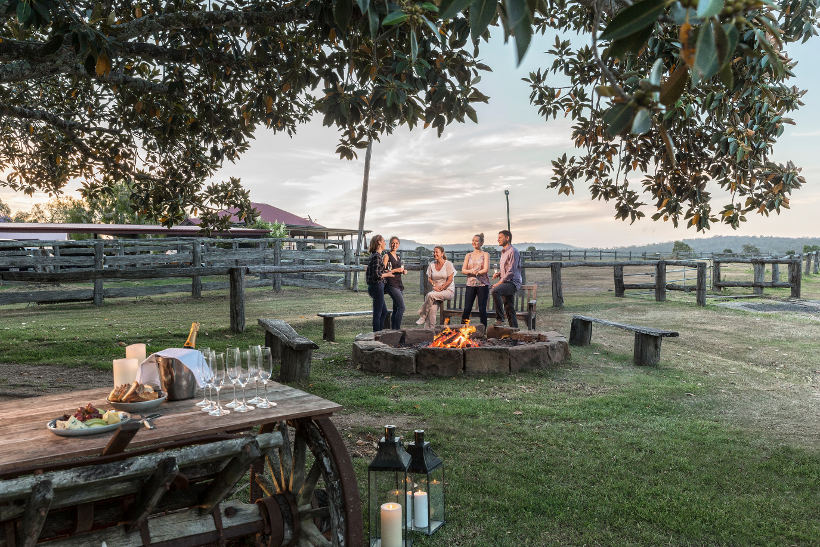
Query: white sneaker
420, 321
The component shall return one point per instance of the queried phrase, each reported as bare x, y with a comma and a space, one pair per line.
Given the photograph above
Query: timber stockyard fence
292, 261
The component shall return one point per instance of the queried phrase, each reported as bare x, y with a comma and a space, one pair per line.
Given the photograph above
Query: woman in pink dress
440, 275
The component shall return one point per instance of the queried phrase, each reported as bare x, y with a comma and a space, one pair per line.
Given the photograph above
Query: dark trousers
376, 292
470, 294
504, 299
398, 306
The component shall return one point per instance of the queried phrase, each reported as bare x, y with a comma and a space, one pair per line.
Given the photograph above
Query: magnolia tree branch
604, 69
51, 119
180, 20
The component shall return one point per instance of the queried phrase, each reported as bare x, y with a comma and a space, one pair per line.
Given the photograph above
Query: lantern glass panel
428, 497
387, 487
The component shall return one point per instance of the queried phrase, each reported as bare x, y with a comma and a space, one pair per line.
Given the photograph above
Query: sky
443, 190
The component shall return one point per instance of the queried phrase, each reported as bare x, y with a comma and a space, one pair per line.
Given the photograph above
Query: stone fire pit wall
405, 352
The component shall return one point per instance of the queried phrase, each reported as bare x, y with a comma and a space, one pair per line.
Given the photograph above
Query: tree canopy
666, 97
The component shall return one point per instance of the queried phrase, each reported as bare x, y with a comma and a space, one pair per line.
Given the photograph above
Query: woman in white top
440, 275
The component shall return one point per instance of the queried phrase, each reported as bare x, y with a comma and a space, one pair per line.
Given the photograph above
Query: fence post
816, 262
557, 289
277, 261
660, 281
99, 255
422, 276
775, 272
759, 271
348, 256
808, 264
196, 262
701, 286
237, 284
619, 281
56, 250
523, 272
795, 270
715, 275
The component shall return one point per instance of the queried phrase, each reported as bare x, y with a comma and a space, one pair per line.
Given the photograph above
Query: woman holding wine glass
220, 378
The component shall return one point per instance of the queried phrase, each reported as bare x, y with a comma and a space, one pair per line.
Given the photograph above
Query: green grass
717, 445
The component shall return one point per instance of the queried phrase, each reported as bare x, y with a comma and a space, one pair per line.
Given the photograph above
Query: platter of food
87, 420
136, 397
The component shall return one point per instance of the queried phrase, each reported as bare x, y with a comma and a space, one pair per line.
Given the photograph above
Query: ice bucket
176, 379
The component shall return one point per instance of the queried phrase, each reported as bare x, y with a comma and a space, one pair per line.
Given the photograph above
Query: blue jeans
398, 305
470, 294
376, 292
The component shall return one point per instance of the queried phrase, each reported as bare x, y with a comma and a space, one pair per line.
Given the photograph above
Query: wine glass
243, 376
232, 365
205, 357
265, 372
256, 357
208, 377
220, 379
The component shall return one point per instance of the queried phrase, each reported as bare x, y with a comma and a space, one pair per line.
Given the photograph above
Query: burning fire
458, 338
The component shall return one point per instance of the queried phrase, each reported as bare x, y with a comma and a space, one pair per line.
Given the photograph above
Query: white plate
52, 426
142, 406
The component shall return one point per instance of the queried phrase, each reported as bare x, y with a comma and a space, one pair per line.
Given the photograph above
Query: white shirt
440, 276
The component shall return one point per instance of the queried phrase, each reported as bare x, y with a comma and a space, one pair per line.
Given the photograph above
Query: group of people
385, 270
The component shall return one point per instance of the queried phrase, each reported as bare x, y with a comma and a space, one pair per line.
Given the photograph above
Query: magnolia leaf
520, 23
448, 10
429, 6
732, 36
617, 118
708, 8
433, 28
606, 91
642, 122
706, 55
414, 45
364, 5
673, 88
342, 12
633, 18
394, 18
631, 44
727, 76
373, 19
656, 72
481, 13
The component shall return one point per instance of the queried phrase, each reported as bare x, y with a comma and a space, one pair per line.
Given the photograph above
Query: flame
458, 338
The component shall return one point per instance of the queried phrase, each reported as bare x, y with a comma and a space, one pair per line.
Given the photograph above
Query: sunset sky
442, 190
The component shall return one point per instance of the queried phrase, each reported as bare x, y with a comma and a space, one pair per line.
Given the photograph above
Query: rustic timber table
291, 458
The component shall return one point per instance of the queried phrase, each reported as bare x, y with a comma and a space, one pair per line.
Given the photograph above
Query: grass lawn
720, 444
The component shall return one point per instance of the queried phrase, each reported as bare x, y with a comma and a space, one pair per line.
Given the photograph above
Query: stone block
550, 335
391, 361
365, 336
529, 356
558, 351
488, 360
528, 336
363, 352
439, 361
389, 337
418, 336
500, 332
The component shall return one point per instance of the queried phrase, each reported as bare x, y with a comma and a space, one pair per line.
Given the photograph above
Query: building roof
121, 229
268, 213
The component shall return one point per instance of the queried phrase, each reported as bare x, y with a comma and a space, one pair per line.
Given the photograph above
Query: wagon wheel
308, 487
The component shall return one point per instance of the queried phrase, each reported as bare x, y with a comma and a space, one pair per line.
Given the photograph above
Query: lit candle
391, 525
408, 504
420, 508
125, 371
135, 351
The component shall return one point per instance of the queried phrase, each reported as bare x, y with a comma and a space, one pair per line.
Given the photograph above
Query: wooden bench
525, 304
286, 344
329, 327
647, 340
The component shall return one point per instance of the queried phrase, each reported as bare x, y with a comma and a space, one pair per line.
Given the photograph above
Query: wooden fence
153, 259
758, 282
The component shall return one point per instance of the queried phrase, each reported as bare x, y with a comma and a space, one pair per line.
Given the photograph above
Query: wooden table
28, 448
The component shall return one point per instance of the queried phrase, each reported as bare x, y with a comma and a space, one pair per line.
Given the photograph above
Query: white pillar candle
420, 509
391, 525
408, 504
135, 351
125, 371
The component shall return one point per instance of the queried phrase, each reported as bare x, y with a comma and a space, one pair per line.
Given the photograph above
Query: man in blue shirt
509, 281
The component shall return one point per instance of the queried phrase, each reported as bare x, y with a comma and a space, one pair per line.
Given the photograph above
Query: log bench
647, 340
329, 326
525, 305
294, 350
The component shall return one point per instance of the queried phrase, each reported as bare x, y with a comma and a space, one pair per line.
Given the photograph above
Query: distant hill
409, 244
717, 244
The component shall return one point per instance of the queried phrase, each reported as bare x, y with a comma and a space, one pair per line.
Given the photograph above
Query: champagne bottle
191, 341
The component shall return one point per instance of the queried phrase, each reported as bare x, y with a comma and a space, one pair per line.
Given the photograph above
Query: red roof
268, 213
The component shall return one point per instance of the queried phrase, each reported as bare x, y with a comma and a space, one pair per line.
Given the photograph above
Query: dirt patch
361, 431
810, 307
18, 381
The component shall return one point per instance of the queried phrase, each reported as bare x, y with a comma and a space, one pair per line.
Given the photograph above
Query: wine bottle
191, 341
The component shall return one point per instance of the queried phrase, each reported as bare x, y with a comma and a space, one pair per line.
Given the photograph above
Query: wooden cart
278, 476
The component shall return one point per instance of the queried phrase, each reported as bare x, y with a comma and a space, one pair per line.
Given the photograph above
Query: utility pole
507, 195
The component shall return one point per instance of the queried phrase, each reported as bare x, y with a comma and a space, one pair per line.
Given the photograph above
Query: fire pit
460, 349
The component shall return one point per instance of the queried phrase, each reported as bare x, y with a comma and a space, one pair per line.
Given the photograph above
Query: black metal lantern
389, 498
426, 472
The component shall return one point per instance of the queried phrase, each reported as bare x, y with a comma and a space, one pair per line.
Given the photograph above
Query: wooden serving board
25, 442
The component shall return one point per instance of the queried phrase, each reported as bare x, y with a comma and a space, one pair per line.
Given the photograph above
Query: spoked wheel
308, 488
